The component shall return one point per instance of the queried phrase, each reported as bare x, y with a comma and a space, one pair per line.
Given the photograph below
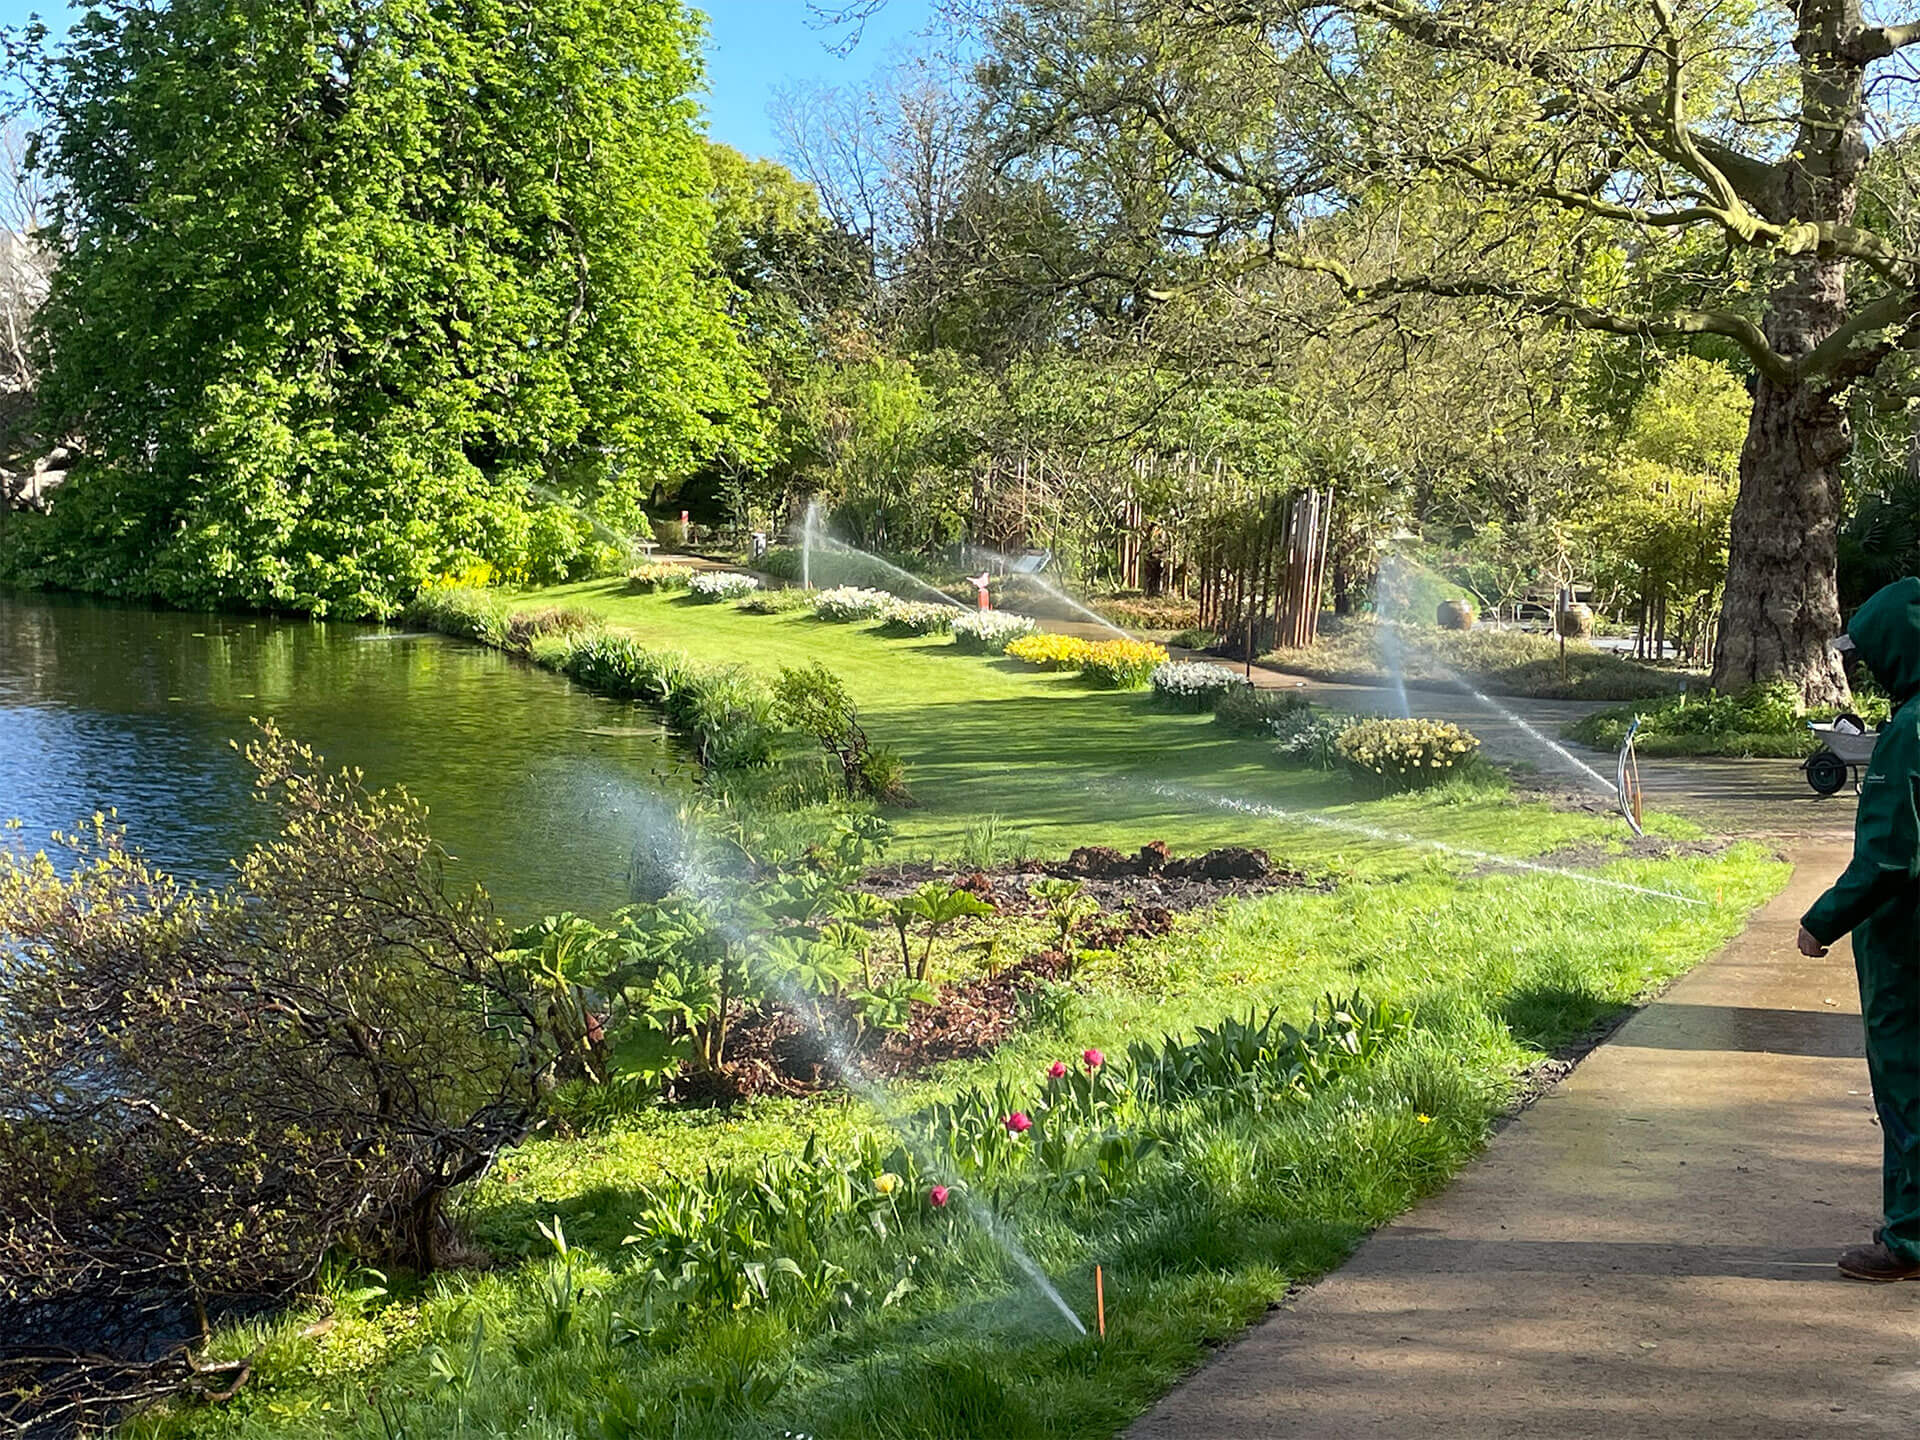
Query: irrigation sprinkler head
1626, 779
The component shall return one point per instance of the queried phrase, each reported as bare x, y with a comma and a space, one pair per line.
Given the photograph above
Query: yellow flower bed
1405, 754
1122, 664
1051, 652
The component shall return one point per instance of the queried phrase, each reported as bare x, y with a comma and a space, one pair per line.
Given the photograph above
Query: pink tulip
1057, 1069
1093, 1058
937, 1197
1018, 1122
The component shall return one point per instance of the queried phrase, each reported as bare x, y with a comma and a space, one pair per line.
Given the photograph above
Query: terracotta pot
1457, 615
1575, 622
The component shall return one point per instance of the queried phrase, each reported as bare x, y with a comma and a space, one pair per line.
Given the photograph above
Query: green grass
1501, 662
1063, 763
1498, 967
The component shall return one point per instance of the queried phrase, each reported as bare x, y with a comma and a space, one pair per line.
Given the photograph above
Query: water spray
1395, 837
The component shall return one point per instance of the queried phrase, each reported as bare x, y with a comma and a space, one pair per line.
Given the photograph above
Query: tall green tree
1659, 170
344, 283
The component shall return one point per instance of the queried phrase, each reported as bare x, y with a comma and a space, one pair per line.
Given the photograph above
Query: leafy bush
464, 611
1259, 712
1142, 612
1122, 664
713, 586
1499, 661
1049, 651
1306, 738
726, 712
812, 698
524, 627
208, 1092
650, 579
830, 568
846, 604
1194, 685
1765, 719
777, 602
911, 617
989, 632
1405, 754
671, 534
1194, 639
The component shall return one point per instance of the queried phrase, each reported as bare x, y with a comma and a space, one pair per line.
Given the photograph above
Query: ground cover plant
1194, 685
1223, 1113
1499, 661
1763, 720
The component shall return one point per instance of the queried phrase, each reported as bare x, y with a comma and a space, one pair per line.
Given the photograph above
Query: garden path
1648, 1251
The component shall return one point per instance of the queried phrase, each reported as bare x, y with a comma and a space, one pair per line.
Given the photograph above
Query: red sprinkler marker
1100, 1300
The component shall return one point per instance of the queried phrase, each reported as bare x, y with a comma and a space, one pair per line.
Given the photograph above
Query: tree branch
1876, 42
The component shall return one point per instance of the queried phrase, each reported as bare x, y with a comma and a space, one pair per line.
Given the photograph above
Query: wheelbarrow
1841, 754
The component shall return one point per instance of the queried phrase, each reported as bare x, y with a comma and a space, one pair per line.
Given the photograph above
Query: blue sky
757, 47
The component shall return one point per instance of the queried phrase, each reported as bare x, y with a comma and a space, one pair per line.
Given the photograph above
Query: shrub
1309, 739
845, 604
524, 627
712, 586
1193, 685
812, 698
208, 1092
989, 632
912, 617
777, 602
652, 578
1198, 638
671, 534
1258, 712
1050, 652
1405, 754
829, 568
1122, 664
465, 611
1141, 612
1764, 719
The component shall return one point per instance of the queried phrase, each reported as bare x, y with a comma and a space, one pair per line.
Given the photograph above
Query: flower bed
1193, 685
989, 632
1050, 652
777, 602
911, 617
713, 586
1122, 664
1405, 754
650, 579
845, 604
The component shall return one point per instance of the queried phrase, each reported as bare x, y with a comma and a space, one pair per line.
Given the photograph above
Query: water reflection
529, 781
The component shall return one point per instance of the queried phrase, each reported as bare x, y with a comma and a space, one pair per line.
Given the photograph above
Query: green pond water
537, 789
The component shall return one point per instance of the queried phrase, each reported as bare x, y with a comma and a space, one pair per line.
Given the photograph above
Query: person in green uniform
1877, 900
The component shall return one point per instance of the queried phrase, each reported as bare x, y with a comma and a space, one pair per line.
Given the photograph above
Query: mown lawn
1063, 763
944, 1336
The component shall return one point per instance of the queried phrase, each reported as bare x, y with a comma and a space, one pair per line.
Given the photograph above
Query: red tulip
937, 1197
1018, 1122
1093, 1058
1057, 1069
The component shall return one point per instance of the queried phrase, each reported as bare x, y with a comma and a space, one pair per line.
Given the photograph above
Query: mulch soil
1138, 894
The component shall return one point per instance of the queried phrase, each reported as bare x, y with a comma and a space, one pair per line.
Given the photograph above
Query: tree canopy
346, 289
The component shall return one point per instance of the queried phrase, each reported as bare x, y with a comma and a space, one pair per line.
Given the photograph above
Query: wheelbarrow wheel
1826, 772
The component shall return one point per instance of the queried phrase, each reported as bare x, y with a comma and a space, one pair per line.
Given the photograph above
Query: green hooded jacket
1885, 871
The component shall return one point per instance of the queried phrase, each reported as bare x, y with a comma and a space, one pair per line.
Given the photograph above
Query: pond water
537, 789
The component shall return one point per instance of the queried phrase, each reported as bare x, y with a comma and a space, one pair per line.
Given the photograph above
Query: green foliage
209, 1091
1257, 712
777, 602
1763, 720
1405, 754
909, 617
1498, 661
401, 273
815, 700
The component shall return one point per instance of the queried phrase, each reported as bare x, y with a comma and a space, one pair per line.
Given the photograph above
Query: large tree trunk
1782, 602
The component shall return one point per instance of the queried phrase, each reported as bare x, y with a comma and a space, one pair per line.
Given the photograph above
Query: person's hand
1810, 947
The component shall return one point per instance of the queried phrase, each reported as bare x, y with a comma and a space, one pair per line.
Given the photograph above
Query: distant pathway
1647, 1252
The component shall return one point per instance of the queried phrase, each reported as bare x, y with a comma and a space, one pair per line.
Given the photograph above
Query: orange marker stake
1100, 1300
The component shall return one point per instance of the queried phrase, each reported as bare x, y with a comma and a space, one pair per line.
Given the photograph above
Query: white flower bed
991, 631
913, 617
847, 603
715, 585
1194, 684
